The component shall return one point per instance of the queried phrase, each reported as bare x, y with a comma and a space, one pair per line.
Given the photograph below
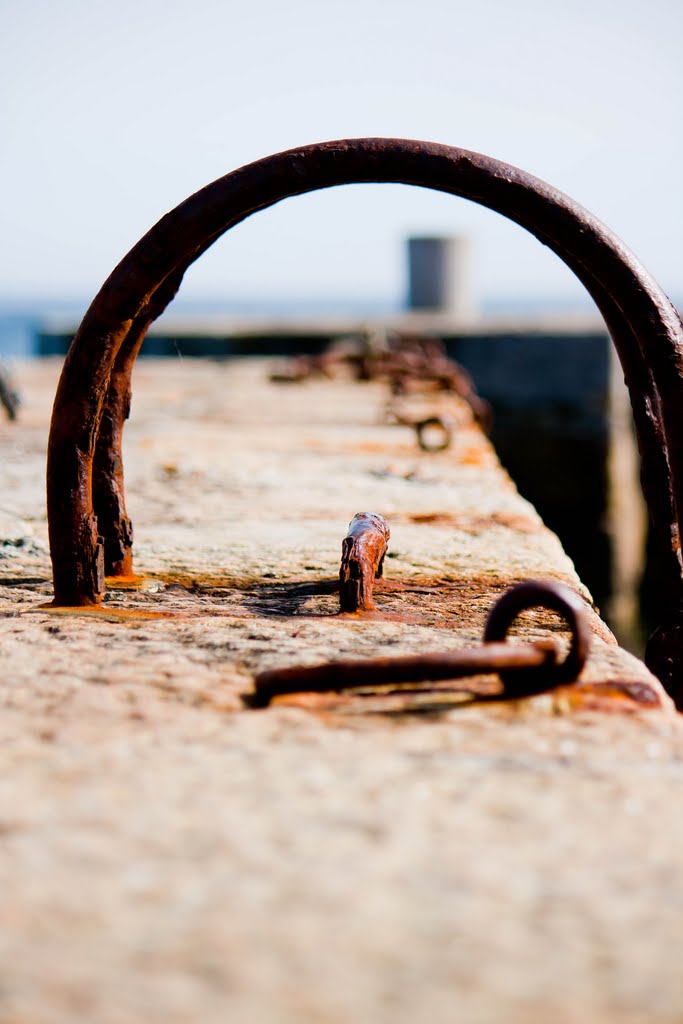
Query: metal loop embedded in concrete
525, 669
557, 598
434, 434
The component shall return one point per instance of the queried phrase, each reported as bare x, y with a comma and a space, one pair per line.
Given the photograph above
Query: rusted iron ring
524, 668
434, 434
557, 598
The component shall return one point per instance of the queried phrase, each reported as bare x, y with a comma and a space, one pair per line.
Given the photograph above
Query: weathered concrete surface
167, 854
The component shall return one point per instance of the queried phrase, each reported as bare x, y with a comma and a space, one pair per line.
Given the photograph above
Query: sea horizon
23, 317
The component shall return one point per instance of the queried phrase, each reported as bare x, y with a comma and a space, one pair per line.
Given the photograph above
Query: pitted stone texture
166, 854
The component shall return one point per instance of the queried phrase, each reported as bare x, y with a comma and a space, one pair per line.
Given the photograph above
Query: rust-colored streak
470, 523
362, 561
109, 614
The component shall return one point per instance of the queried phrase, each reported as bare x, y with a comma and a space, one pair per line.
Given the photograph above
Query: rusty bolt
363, 551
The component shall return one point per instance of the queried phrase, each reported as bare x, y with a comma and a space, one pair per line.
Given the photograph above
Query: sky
113, 113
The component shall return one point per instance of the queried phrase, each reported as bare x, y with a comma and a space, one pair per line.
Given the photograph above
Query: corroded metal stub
362, 561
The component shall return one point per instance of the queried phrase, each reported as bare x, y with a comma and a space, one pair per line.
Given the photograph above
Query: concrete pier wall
562, 424
562, 428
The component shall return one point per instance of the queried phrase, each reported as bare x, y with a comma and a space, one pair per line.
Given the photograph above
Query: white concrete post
441, 275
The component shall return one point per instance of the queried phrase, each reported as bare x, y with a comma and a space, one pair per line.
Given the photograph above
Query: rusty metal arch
86, 508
